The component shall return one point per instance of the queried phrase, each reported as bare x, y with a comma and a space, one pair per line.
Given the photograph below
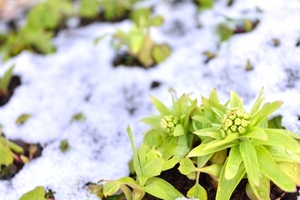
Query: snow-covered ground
79, 77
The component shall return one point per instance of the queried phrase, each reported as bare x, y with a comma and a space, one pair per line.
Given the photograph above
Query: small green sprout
64, 146
22, 119
78, 117
5, 81
9, 151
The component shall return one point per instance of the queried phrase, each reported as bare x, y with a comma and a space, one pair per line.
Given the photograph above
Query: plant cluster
225, 141
137, 42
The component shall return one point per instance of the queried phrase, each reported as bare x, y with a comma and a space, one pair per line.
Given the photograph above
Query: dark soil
124, 59
31, 151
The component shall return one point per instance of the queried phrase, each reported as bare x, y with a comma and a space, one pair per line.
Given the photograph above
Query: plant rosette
170, 132
237, 144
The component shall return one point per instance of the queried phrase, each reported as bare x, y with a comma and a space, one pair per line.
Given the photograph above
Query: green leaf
209, 132
178, 130
257, 133
137, 39
197, 191
112, 187
161, 189
224, 32
157, 21
214, 170
226, 186
282, 155
234, 161
213, 95
5, 80
136, 162
235, 100
249, 157
78, 117
37, 193
270, 169
23, 118
279, 138
258, 102
161, 52
164, 110
218, 112
153, 121
186, 166
260, 192
152, 168
264, 113
292, 170
201, 119
145, 52
88, 8
6, 157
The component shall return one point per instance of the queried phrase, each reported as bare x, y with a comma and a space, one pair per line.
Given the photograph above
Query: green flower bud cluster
235, 120
168, 123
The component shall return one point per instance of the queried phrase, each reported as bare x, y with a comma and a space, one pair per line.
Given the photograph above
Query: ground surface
80, 78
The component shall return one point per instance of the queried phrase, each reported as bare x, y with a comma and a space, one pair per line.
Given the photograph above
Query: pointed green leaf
178, 130
218, 112
264, 113
226, 187
282, 155
278, 138
257, 103
213, 95
218, 145
234, 161
161, 189
249, 157
5, 80
292, 170
169, 164
209, 132
201, 119
136, 161
153, 121
112, 187
256, 132
261, 192
235, 100
37, 193
152, 168
164, 110
270, 169
197, 191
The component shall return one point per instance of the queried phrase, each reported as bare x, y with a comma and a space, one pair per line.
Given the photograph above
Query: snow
79, 77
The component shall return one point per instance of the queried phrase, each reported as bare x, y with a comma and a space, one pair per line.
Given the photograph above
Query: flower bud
168, 123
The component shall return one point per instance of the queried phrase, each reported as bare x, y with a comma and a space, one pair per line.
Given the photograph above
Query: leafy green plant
111, 9
148, 163
9, 152
205, 4
36, 34
138, 43
224, 141
256, 152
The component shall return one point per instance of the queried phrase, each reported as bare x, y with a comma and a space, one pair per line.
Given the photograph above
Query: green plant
148, 163
138, 43
9, 152
111, 9
205, 4
256, 152
221, 140
36, 34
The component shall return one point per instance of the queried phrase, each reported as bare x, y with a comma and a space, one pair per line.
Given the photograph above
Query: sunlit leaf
260, 192
209, 132
257, 133
292, 170
186, 166
37, 193
235, 100
178, 130
283, 155
270, 169
160, 52
234, 161
248, 154
214, 170
226, 186
161, 189
6, 157
23, 118
164, 110
258, 102
197, 191
6, 78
